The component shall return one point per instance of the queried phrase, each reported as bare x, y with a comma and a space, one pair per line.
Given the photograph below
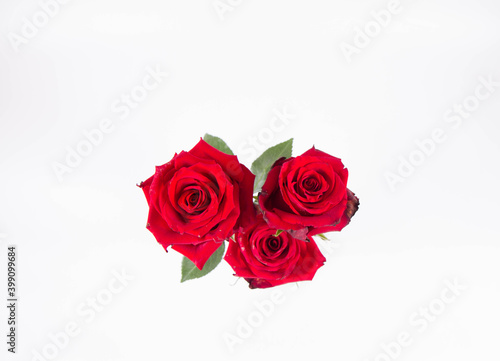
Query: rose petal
350, 211
198, 253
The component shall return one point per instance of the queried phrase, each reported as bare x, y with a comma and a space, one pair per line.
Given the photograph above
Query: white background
227, 76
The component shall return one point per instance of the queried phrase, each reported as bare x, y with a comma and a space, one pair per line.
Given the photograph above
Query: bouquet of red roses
205, 197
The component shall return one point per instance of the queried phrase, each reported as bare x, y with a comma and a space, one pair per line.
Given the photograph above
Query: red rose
307, 195
266, 260
197, 200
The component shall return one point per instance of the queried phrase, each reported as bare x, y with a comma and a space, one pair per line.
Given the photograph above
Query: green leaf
190, 271
262, 165
217, 143
323, 237
278, 232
